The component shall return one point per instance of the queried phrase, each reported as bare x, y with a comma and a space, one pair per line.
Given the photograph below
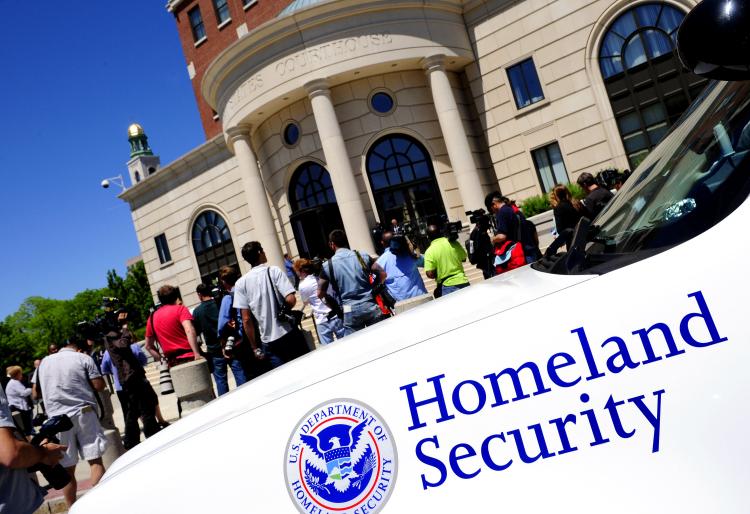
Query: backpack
528, 236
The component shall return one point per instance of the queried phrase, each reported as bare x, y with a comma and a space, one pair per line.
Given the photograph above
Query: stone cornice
173, 4
279, 30
203, 156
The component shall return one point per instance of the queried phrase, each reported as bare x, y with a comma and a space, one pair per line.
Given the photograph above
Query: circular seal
341, 459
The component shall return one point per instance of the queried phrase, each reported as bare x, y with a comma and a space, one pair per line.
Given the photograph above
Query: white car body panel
230, 456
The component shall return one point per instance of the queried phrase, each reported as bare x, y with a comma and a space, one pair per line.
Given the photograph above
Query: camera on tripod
479, 217
104, 323
56, 475
451, 229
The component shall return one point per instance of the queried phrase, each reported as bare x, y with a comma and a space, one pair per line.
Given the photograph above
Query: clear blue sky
74, 76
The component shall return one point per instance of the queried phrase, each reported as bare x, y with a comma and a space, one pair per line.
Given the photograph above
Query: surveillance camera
105, 183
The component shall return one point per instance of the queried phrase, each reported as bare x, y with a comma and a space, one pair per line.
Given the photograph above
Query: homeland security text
550, 437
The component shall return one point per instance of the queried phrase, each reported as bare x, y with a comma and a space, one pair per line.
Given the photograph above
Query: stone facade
444, 63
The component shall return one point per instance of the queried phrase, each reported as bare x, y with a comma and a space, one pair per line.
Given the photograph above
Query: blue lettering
707, 318
439, 398
552, 369
432, 462
655, 420
481, 397
468, 451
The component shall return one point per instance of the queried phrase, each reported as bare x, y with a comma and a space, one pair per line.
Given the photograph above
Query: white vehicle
609, 379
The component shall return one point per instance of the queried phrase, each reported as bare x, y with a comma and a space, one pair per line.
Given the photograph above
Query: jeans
361, 315
286, 348
219, 369
328, 329
453, 289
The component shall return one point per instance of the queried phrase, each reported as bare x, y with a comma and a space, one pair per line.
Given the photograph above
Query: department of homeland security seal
340, 459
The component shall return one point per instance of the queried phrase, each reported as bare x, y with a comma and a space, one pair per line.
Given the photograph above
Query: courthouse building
323, 114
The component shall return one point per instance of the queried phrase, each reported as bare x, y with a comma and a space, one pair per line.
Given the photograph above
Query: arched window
646, 83
311, 187
212, 244
314, 210
403, 181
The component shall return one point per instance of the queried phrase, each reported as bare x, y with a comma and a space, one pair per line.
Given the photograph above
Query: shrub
534, 205
538, 204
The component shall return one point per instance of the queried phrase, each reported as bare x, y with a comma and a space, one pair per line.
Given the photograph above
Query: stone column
337, 162
456, 141
255, 193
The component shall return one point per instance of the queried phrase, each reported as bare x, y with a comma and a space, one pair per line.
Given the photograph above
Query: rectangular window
524, 82
162, 248
222, 11
550, 166
196, 23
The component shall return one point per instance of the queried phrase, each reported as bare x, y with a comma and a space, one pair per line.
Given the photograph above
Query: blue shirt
225, 311
352, 281
404, 280
108, 369
506, 222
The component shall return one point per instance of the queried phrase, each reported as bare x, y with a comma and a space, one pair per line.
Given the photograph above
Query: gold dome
135, 130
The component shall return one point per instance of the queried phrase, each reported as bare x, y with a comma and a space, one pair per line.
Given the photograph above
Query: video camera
104, 323
480, 217
451, 229
56, 475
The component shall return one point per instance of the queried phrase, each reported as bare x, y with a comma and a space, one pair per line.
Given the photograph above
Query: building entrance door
404, 185
315, 213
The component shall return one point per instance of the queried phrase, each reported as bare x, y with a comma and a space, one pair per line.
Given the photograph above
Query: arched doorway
403, 182
212, 244
314, 210
647, 85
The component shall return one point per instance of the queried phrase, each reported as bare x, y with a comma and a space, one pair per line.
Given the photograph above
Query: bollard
405, 305
114, 447
192, 385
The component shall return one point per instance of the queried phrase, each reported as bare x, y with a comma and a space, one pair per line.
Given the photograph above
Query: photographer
68, 380
443, 261
172, 325
597, 197
479, 247
266, 294
18, 493
232, 346
401, 266
139, 396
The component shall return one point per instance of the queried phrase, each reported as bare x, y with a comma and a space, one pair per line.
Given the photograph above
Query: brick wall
198, 57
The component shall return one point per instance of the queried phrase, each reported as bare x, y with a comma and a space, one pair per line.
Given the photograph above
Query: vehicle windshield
696, 177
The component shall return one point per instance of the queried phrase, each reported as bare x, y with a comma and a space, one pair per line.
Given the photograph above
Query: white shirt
17, 394
64, 377
308, 292
253, 291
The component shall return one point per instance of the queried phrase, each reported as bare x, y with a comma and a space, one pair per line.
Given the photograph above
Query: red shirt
170, 333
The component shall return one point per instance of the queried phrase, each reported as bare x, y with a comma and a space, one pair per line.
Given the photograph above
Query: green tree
25, 334
134, 293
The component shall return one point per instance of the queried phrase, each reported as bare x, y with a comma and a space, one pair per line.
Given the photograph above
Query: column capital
434, 63
318, 87
239, 132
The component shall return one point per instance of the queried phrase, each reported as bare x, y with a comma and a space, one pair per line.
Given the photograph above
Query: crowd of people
250, 325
